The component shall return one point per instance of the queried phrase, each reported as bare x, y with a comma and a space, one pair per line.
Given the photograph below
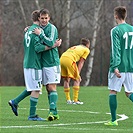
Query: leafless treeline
74, 19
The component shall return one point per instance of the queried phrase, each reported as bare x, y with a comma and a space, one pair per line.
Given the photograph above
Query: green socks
113, 106
53, 96
20, 97
33, 104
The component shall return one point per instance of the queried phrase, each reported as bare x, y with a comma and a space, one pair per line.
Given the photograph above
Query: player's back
124, 33
76, 52
31, 58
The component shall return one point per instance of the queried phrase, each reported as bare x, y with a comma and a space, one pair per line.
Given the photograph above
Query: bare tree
23, 13
96, 27
0, 44
37, 4
68, 24
73, 18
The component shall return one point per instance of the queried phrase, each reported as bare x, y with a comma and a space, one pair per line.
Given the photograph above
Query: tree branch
22, 10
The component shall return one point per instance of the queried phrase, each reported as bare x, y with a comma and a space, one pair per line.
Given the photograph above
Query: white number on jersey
27, 38
125, 36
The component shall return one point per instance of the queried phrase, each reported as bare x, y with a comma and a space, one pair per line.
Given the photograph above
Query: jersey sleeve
86, 53
50, 39
115, 49
38, 46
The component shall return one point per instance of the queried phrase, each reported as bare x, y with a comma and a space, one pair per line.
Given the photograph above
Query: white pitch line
75, 111
60, 126
54, 125
123, 117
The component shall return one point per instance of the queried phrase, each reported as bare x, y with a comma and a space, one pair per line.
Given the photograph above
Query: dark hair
44, 12
35, 15
121, 12
84, 41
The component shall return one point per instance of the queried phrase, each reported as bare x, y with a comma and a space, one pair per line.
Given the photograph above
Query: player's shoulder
115, 30
129, 26
83, 48
33, 26
52, 25
124, 27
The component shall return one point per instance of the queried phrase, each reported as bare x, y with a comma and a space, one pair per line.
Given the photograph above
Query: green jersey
121, 56
31, 57
50, 57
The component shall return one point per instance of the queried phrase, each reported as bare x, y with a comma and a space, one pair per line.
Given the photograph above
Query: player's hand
117, 73
37, 31
26, 28
80, 79
58, 43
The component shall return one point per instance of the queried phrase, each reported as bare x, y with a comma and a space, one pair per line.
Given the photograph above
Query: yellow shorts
69, 68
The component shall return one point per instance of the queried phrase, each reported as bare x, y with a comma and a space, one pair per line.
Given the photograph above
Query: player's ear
115, 16
49, 18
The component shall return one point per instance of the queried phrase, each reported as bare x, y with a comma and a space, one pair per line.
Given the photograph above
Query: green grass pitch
86, 118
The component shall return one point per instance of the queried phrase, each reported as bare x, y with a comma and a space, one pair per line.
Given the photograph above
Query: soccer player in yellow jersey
70, 69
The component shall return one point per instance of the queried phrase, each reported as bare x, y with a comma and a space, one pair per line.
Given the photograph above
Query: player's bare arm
80, 64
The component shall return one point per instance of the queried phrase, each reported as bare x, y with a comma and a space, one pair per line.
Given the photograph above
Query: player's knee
51, 87
77, 82
127, 94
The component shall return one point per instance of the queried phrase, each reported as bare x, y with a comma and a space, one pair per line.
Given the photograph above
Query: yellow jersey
76, 52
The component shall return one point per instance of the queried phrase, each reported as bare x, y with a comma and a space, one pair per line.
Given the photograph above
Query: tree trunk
96, 29
23, 13
37, 4
68, 24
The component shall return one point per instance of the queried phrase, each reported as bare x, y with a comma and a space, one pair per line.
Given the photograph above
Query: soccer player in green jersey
121, 61
32, 69
50, 61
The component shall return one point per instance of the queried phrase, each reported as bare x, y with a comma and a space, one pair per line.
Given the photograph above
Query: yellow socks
67, 93
75, 93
